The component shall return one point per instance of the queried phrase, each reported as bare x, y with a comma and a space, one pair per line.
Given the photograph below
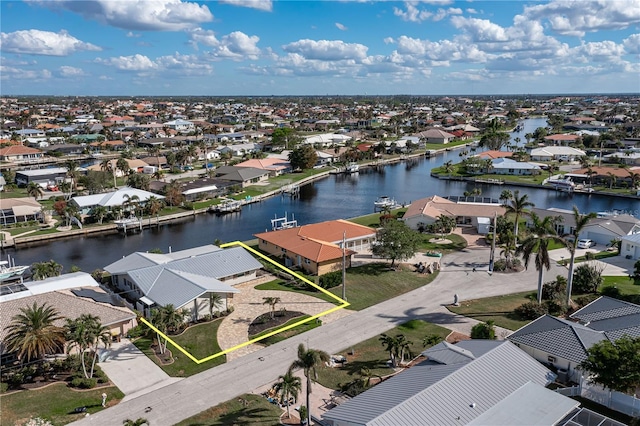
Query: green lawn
55, 403
371, 354
199, 340
624, 284
498, 309
246, 410
457, 243
310, 325
370, 284
281, 286
373, 220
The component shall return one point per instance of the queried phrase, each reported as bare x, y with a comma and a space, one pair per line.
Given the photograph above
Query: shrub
587, 278
554, 289
611, 291
137, 331
4, 387
554, 308
484, 330
530, 310
585, 300
500, 265
83, 383
330, 280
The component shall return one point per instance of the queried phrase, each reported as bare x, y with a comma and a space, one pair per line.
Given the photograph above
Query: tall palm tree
34, 190
541, 234
448, 167
42, 270
99, 213
166, 318
32, 333
308, 360
288, 386
154, 205
517, 206
581, 221
612, 179
72, 172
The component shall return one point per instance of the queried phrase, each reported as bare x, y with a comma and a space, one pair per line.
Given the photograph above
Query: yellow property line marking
343, 304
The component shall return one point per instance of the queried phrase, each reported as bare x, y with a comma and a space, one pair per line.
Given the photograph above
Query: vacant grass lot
624, 284
247, 409
199, 340
310, 325
498, 309
370, 284
371, 354
55, 403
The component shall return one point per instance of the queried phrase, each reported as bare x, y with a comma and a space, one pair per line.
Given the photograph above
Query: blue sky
342, 47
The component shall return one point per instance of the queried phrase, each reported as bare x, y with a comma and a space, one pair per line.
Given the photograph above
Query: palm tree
390, 345
581, 221
166, 318
34, 190
448, 167
32, 333
541, 234
123, 165
308, 360
154, 205
131, 203
42, 270
612, 179
518, 207
99, 213
635, 178
272, 302
402, 345
288, 386
505, 196
72, 172
140, 421
215, 300
431, 340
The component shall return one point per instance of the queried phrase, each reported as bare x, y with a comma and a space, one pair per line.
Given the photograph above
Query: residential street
177, 401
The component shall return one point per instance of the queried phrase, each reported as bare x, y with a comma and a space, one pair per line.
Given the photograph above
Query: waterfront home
72, 295
123, 197
603, 230
627, 158
317, 248
182, 126
493, 154
562, 139
203, 188
507, 166
435, 135
240, 149
115, 145
274, 166
563, 344
557, 153
426, 211
43, 177
185, 279
135, 165
326, 139
243, 176
20, 154
472, 382
18, 210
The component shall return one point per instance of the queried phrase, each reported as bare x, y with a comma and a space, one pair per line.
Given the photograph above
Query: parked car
585, 243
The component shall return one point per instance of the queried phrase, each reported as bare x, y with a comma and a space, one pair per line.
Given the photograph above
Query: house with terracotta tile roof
317, 248
426, 211
274, 166
20, 154
492, 155
561, 139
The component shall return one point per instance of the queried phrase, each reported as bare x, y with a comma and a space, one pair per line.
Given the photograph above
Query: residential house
627, 158
472, 382
564, 221
557, 153
30, 133
426, 211
326, 139
20, 154
180, 125
17, 210
204, 188
562, 139
563, 344
72, 295
185, 279
507, 166
123, 197
493, 154
317, 248
43, 177
603, 230
115, 145
274, 166
243, 176
434, 135
240, 149
65, 149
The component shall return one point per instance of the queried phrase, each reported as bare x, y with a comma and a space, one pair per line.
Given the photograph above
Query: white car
583, 244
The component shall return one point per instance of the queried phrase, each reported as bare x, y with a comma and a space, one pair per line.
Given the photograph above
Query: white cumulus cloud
36, 42
135, 62
68, 71
341, 27
266, 5
14, 73
137, 15
236, 45
327, 50
632, 43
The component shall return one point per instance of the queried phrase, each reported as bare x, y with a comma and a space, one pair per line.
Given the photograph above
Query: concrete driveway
132, 372
616, 266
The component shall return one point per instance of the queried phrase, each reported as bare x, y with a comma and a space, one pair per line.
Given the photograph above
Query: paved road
175, 402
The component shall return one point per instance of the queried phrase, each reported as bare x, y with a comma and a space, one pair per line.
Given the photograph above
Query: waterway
334, 197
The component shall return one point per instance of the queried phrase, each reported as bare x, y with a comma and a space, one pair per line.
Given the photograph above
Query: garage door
600, 238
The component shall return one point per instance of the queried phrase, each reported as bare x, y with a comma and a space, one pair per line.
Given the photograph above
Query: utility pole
344, 266
493, 243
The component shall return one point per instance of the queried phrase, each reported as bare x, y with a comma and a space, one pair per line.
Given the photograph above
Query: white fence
617, 401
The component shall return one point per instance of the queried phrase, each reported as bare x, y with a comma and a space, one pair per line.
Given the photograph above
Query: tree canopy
395, 241
615, 365
283, 136
303, 157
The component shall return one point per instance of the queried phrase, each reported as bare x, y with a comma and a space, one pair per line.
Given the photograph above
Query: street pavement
187, 397
616, 266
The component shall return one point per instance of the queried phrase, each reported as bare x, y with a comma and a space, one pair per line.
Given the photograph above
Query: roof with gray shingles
139, 260
615, 317
558, 337
442, 394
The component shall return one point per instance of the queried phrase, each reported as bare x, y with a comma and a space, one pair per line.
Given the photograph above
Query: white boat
384, 202
566, 185
8, 272
352, 168
129, 224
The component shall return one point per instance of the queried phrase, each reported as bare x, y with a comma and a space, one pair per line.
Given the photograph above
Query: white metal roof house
507, 166
111, 199
630, 247
185, 278
180, 125
327, 139
459, 384
562, 153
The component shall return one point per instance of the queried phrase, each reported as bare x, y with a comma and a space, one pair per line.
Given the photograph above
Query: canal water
334, 197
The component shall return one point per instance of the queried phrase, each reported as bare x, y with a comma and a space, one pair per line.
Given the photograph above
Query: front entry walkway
249, 304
